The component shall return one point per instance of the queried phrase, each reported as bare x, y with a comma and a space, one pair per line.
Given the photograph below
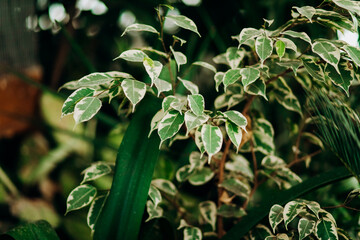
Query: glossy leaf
80, 197
183, 173
212, 139
184, 22
95, 79
273, 162
153, 69
354, 54
180, 58
306, 11
301, 35
190, 86
172, 102
291, 210
162, 86
234, 132
276, 216
305, 227
69, 104
86, 109
237, 118
343, 79
196, 104
234, 57
133, 56
249, 75
193, 121
280, 48
134, 90
314, 69
231, 76
246, 34
208, 212
96, 171
95, 209
196, 160
137, 27
170, 124
328, 52
263, 47
257, 88
326, 230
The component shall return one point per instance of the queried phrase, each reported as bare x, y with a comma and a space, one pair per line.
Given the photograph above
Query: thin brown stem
179, 209
342, 206
304, 158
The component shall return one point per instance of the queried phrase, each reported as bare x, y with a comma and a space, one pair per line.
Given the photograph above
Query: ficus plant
235, 142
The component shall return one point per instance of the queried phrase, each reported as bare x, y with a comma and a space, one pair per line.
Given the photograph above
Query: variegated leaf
192, 121
231, 76
95, 210
288, 44
343, 79
218, 77
80, 197
114, 89
196, 104
249, 75
257, 88
119, 75
234, 57
314, 69
328, 52
180, 58
237, 118
292, 64
198, 140
183, 22
172, 102
260, 232
154, 195
208, 212
170, 124
134, 90
133, 56
153, 69
183, 173
352, 6
246, 34
239, 164
221, 59
276, 216
205, 65
192, 233
354, 54
162, 86
94, 79
137, 27
306, 11
190, 86
234, 132
86, 109
291, 210
301, 35
165, 186
96, 171
212, 139
155, 121
182, 224
69, 105
182, 41
153, 211
263, 47
230, 210
326, 230
273, 162
236, 186
196, 160
280, 48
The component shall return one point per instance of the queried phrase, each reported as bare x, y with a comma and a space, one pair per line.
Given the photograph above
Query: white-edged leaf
96, 171
273, 162
354, 54
95, 210
72, 85
234, 56
301, 35
280, 48
221, 59
212, 139
193, 121
257, 88
95, 79
263, 47
182, 224
154, 195
196, 104
288, 44
208, 212
182, 41
196, 160
162, 86
240, 165
218, 77
192, 233
201, 176
314, 69
352, 6
328, 52
291, 210
86, 109
205, 65
249, 75
306, 11
292, 64
190, 86
269, 22
155, 121
172, 102
134, 90
183, 22
305, 227
137, 27
183, 173
80, 197
119, 75
153, 69
343, 79
170, 124
165, 186
275, 216
180, 58
236, 186
326, 230
260, 232
198, 140
231, 76
246, 34
230, 210
133, 56
234, 132
237, 118
154, 211
69, 104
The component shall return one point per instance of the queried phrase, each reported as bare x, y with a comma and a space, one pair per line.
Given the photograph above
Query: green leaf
260, 232
326, 230
69, 105
196, 160
257, 88
236, 186
234, 57
183, 22
183, 173
153, 69
280, 48
114, 89
208, 212
273, 162
153, 211
240, 165
96, 171
313, 206
230, 210
237, 118
198, 140
95, 209
172, 102
305, 228
263, 47
192, 233
288, 44
205, 65
218, 77
155, 121
137, 27
154, 195
292, 64
221, 59
314, 69
170, 125
349, 5
212, 139
80, 197
231, 76
306, 11
134, 90
334, 20
193, 121
165, 186
201, 176
328, 52
190, 86
301, 35
118, 75
291, 210
354, 54
276, 216
162, 86
180, 58
95, 79
196, 104
343, 79
249, 75
246, 34
86, 109
32, 231
234, 132
133, 56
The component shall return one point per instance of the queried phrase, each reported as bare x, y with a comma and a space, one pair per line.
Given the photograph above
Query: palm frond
339, 129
